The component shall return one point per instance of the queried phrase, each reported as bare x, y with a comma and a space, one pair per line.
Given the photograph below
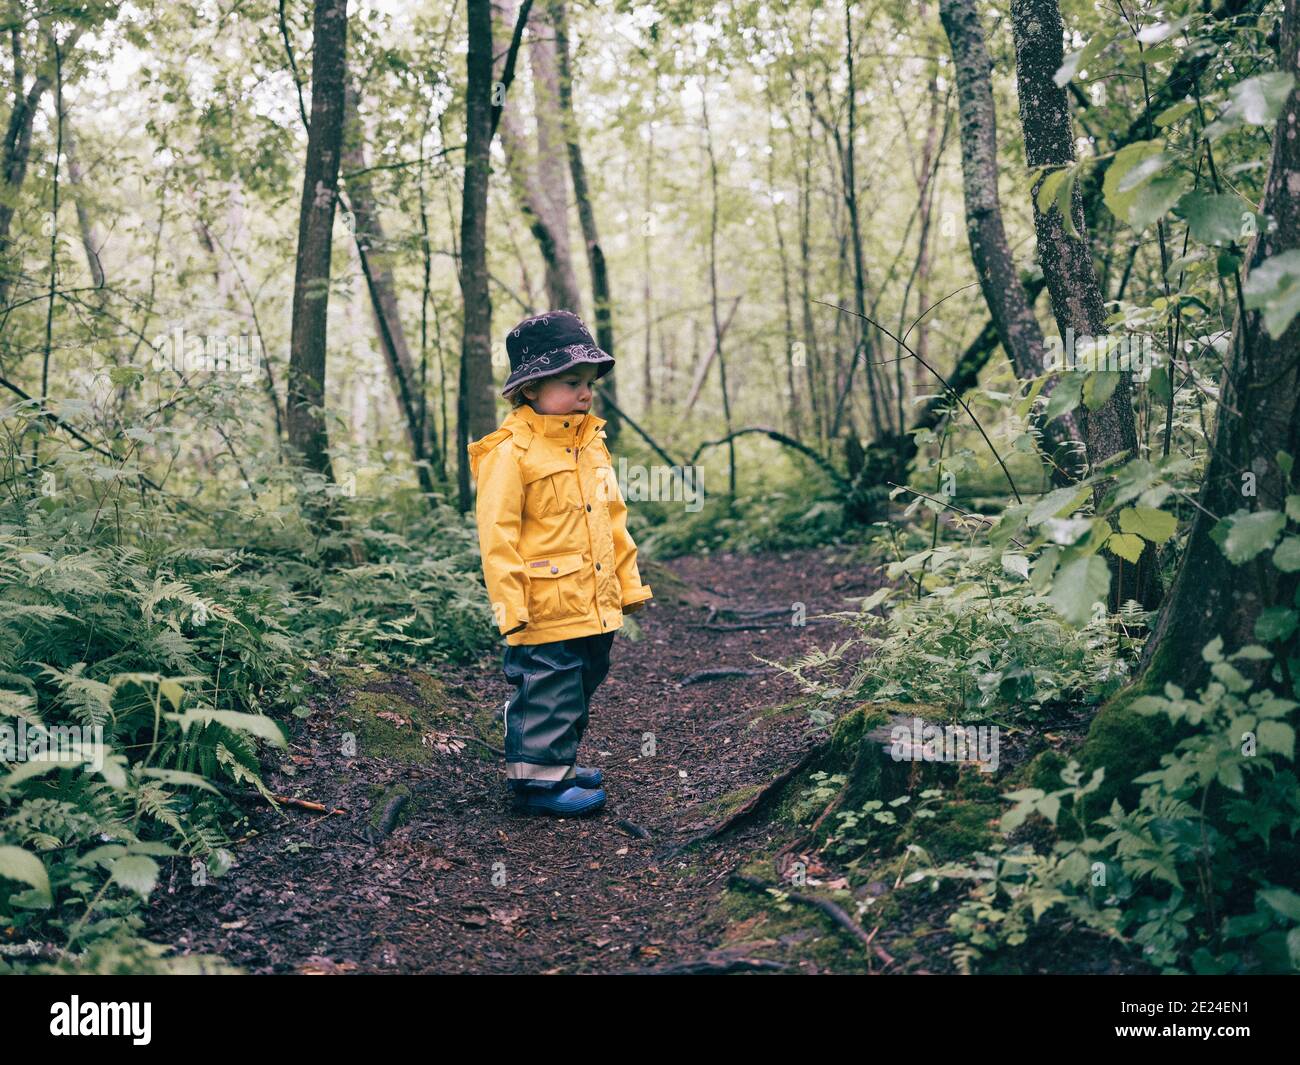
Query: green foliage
981, 641
769, 519
177, 657
1193, 875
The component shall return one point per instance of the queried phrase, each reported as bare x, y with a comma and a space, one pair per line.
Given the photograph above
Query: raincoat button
568, 449
566, 425
555, 569
598, 565
588, 506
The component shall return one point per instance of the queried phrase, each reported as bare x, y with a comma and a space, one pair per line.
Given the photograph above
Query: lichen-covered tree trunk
305, 419
476, 403
600, 292
551, 167
1016, 326
532, 181
1258, 420
1066, 259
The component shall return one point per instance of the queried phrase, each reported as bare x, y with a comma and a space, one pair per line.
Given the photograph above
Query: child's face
567, 392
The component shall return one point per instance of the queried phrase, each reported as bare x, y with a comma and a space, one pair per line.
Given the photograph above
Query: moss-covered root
1127, 744
861, 749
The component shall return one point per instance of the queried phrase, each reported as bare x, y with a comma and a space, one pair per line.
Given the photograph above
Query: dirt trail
465, 885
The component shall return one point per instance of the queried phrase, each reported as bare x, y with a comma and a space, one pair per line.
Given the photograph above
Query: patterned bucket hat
549, 343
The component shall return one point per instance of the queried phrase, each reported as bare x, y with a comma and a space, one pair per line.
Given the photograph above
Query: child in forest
559, 565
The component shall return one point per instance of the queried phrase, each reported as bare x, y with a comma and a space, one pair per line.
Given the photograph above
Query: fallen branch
282, 800
256, 833
751, 807
830, 909
632, 829
757, 625
715, 965
718, 674
785, 441
483, 743
761, 612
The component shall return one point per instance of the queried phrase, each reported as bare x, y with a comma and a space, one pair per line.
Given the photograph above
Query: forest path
463, 884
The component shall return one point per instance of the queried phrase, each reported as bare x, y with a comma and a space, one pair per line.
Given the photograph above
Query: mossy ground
867, 884
722, 807
396, 715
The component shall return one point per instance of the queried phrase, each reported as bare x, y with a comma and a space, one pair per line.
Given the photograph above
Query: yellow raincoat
552, 525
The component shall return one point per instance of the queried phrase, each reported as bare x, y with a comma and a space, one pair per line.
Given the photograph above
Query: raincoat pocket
555, 587
546, 488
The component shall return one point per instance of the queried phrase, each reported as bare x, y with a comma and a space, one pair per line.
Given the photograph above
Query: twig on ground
719, 674
834, 912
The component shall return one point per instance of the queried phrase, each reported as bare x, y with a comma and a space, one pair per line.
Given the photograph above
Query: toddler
559, 565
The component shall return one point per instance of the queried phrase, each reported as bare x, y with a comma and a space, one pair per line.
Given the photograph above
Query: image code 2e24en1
1183, 1007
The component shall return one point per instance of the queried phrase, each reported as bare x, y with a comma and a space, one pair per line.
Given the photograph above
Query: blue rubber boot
584, 777
562, 799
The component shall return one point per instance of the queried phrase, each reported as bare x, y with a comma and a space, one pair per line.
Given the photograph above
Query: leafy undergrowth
1113, 829
890, 820
149, 658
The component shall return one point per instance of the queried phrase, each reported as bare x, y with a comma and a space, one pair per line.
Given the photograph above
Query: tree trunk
1067, 262
476, 401
811, 354
1258, 419
368, 231
16, 152
90, 239
1016, 326
713, 297
794, 424
536, 203
586, 214
865, 348
647, 233
552, 181
927, 186
307, 344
